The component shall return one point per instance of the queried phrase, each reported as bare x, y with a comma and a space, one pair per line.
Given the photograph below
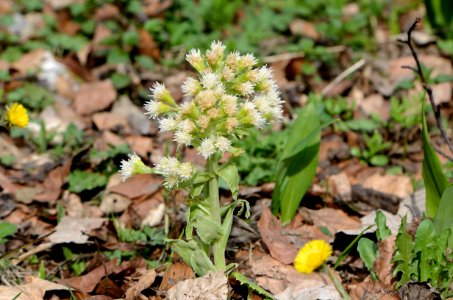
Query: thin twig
449, 157
292, 55
425, 84
342, 76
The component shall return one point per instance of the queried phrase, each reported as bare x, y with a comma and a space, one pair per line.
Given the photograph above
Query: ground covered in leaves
83, 69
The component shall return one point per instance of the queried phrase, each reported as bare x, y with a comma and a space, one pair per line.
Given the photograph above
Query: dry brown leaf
147, 279
141, 145
94, 96
34, 289
310, 293
108, 139
60, 4
137, 119
375, 104
138, 186
340, 187
53, 183
280, 245
397, 185
177, 272
87, 283
383, 264
439, 65
371, 290
155, 216
212, 286
154, 8
277, 277
109, 288
72, 204
419, 291
114, 203
100, 33
6, 7
30, 61
4, 65
333, 147
73, 230
148, 46
106, 11
65, 24
110, 121
333, 219
304, 28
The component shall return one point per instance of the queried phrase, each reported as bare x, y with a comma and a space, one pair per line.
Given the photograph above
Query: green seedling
6, 230
374, 147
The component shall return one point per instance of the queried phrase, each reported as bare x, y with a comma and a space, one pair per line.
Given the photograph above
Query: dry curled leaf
73, 230
134, 293
94, 96
212, 286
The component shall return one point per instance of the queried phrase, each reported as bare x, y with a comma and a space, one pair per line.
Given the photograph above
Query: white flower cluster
174, 171
229, 96
133, 166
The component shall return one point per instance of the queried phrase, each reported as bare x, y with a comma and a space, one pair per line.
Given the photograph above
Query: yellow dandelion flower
312, 255
16, 115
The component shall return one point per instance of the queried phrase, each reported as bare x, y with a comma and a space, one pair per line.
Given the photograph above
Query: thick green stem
214, 207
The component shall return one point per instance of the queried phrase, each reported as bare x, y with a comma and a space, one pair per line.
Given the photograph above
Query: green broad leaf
295, 173
229, 173
117, 56
379, 160
226, 228
207, 229
382, 231
425, 244
80, 181
6, 229
130, 38
145, 62
433, 177
193, 255
120, 81
251, 285
368, 253
302, 144
443, 219
403, 256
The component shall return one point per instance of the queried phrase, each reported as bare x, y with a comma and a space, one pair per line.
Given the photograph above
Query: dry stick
292, 55
342, 76
426, 87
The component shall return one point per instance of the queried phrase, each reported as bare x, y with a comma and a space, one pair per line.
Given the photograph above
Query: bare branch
425, 84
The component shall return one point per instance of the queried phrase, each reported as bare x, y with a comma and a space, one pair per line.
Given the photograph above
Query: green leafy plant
6, 229
440, 16
433, 177
80, 181
375, 145
297, 165
257, 164
405, 113
368, 249
229, 97
77, 265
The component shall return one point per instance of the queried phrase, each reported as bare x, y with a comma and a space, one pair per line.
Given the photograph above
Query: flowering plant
15, 115
229, 97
